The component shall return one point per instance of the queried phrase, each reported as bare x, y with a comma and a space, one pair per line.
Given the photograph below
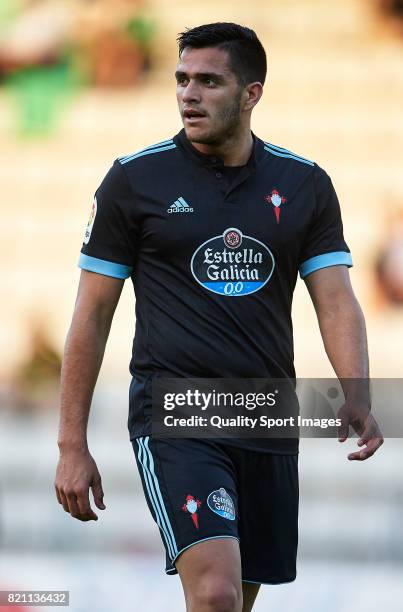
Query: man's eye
210, 82
181, 80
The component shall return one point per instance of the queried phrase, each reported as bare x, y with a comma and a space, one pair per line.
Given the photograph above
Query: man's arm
97, 299
342, 327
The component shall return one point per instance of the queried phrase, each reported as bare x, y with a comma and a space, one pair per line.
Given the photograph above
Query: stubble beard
227, 121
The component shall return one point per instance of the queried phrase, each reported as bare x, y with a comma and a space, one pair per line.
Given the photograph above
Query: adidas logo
180, 206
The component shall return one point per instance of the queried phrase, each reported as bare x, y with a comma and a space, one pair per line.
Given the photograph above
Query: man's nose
191, 93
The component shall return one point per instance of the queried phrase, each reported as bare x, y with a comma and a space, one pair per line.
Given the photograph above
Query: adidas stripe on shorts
201, 489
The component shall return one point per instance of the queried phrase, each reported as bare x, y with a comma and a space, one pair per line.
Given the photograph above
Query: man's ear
252, 94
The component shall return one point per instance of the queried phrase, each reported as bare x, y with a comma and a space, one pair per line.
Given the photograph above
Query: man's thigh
190, 488
210, 572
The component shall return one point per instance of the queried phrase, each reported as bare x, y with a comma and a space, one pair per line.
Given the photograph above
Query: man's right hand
76, 473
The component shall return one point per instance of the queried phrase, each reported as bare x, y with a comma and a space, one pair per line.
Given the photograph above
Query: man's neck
234, 152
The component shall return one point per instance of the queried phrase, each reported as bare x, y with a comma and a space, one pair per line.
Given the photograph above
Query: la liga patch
90, 223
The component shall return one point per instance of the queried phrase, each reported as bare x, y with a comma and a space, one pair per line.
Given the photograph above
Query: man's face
208, 94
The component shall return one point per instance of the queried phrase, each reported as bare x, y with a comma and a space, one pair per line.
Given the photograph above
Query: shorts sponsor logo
90, 223
232, 264
221, 503
192, 505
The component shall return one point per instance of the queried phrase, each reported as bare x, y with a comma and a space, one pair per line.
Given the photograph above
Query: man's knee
211, 576
214, 594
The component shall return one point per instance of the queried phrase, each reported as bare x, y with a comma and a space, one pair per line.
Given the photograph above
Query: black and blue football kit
214, 254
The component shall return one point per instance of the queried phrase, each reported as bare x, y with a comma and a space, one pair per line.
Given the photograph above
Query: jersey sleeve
111, 235
324, 245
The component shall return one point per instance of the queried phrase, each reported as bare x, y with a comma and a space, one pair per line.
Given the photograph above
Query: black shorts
198, 489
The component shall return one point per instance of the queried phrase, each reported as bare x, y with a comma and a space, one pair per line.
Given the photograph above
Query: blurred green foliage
39, 91
40, 94
8, 10
142, 30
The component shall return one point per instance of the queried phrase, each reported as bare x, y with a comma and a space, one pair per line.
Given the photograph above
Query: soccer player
213, 226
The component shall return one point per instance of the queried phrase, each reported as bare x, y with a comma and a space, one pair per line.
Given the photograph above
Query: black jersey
214, 257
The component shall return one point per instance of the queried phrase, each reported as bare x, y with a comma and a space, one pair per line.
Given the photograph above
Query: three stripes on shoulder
280, 152
166, 145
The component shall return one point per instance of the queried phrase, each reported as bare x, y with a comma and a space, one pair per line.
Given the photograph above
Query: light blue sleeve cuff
338, 258
101, 266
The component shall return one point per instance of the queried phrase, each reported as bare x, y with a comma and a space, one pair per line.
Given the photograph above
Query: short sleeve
324, 245
110, 238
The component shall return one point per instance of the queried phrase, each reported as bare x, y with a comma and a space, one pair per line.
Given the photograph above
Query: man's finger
359, 455
372, 432
343, 429
366, 435
83, 503
73, 506
375, 443
98, 494
59, 499
63, 501
372, 446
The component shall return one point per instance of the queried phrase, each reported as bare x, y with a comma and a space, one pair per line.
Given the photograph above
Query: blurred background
85, 81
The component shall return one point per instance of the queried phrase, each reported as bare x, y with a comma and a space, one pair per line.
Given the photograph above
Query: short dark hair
247, 55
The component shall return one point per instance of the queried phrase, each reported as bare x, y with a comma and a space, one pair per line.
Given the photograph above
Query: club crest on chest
275, 199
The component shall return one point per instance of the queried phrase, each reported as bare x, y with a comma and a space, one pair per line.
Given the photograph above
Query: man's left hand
365, 425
